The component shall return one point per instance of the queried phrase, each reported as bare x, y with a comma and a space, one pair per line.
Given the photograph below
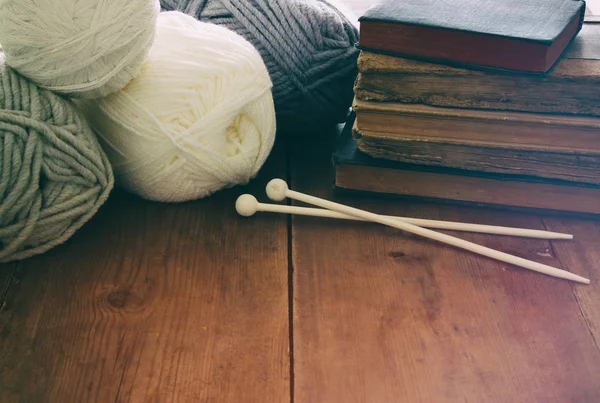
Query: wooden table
152, 302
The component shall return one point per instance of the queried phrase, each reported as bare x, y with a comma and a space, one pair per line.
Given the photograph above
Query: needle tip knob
277, 189
246, 205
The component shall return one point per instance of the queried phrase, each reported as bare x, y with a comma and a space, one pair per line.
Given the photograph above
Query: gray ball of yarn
53, 174
308, 46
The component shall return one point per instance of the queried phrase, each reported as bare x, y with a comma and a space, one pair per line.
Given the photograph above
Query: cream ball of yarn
78, 48
198, 118
308, 46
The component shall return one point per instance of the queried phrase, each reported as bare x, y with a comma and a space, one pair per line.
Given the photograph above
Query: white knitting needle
277, 190
247, 205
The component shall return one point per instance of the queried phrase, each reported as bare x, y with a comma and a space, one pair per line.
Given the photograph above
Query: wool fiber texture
198, 118
308, 46
78, 48
53, 174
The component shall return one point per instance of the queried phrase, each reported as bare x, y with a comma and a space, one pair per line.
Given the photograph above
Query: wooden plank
7, 271
154, 302
383, 316
582, 253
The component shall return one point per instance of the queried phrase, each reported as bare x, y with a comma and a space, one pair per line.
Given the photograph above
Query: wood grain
7, 271
583, 253
153, 302
189, 303
382, 316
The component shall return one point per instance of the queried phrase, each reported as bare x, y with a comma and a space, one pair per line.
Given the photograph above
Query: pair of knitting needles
277, 190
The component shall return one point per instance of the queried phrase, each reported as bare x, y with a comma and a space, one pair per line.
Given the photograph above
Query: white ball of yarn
78, 48
198, 118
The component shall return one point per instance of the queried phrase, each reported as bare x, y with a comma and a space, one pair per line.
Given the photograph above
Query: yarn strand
198, 118
78, 48
54, 174
308, 47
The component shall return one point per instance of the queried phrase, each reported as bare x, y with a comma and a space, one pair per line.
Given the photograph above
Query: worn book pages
571, 87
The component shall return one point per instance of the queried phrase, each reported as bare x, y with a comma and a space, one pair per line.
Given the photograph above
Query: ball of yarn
78, 48
53, 174
308, 47
198, 118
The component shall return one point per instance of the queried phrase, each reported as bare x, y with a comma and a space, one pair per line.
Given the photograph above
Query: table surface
189, 302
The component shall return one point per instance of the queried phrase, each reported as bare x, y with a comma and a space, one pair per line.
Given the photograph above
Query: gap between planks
8, 273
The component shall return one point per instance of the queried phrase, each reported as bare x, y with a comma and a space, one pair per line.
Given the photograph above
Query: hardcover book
522, 130
357, 171
571, 87
527, 36
468, 155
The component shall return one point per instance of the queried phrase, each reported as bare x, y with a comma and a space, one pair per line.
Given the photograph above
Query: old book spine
355, 170
463, 89
484, 158
557, 133
469, 189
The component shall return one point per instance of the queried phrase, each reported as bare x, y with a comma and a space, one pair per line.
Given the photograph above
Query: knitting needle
247, 205
277, 190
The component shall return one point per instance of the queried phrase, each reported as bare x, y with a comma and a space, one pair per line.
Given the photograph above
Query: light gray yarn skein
308, 47
53, 174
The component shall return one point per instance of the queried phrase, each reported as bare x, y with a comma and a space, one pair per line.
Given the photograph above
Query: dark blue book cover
508, 34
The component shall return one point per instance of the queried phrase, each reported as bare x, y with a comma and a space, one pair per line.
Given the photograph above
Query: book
551, 133
527, 36
482, 157
571, 87
356, 171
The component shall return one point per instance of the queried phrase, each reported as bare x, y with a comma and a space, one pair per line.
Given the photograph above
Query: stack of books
487, 101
